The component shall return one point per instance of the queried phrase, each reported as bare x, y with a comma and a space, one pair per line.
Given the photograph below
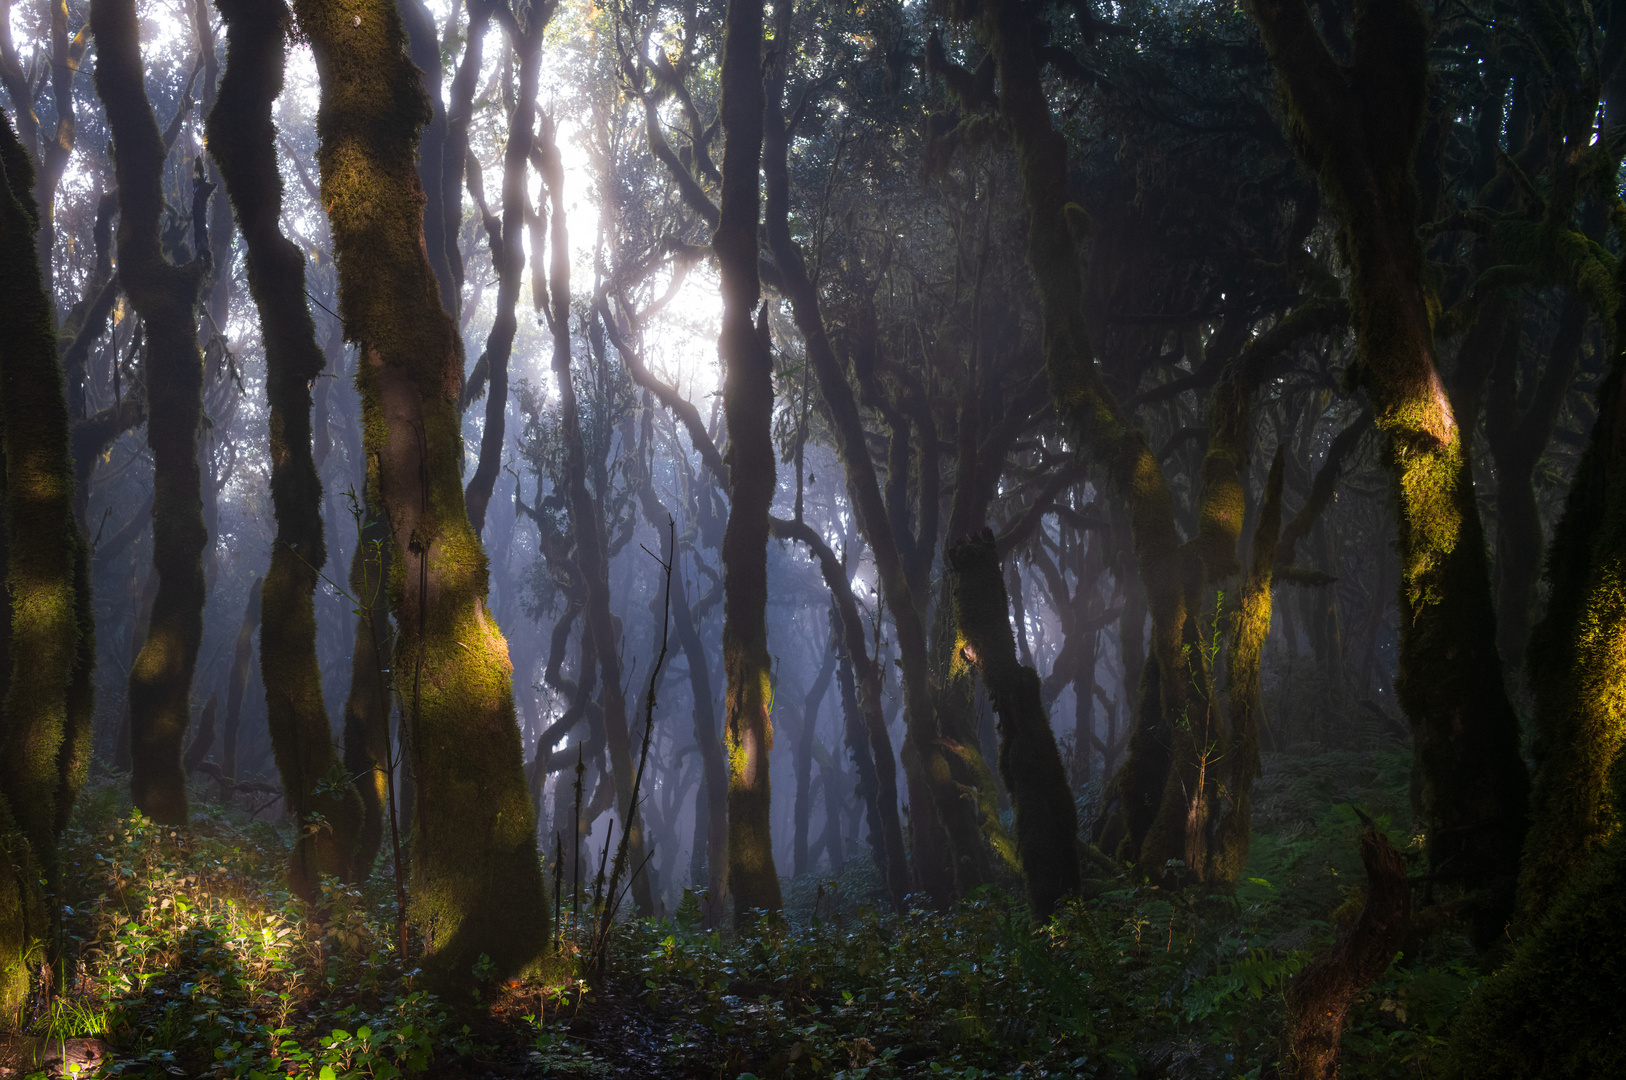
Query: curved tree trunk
748, 406
477, 881
1046, 820
165, 296
242, 141
508, 254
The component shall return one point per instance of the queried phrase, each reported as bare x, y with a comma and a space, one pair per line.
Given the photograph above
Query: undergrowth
185, 952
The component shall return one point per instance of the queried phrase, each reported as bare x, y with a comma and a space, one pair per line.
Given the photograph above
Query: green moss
476, 883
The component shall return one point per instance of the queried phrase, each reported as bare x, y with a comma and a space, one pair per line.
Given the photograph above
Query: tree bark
748, 406
1358, 127
1320, 996
165, 296
477, 881
242, 140
44, 723
237, 681
1046, 821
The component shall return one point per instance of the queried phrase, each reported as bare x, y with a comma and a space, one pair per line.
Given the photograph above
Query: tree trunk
1320, 996
44, 729
477, 881
165, 297
237, 681
1359, 127
242, 140
748, 406
1046, 821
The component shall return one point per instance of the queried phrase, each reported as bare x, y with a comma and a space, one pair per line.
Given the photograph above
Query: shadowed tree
748, 406
166, 297
1357, 126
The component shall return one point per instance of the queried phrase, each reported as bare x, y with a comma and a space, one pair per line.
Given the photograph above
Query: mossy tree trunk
748, 405
1578, 663
1357, 127
242, 140
1046, 820
165, 296
44, 729
477, 882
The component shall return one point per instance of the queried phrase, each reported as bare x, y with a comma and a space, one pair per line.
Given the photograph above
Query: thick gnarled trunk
477, 882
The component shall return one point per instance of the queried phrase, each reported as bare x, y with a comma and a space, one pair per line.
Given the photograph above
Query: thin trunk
165, 297
477, 880
242, 141
587, 521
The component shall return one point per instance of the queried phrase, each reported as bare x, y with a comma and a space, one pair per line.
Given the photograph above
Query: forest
864, 539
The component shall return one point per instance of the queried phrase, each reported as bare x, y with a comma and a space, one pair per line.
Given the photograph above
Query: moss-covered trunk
748, 405
165, 296
242, 141
1578, 665
1046, 821
477, 882
44, 731
1357, 128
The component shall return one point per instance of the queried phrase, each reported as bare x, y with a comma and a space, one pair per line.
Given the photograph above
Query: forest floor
185, 956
